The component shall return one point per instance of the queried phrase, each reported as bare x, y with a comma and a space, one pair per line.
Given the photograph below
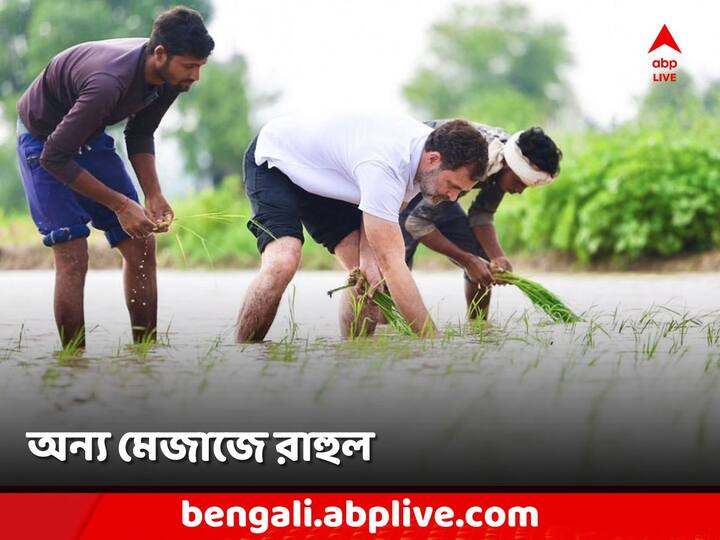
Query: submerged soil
630, 395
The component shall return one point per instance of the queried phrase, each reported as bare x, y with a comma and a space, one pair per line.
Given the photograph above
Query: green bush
630, 194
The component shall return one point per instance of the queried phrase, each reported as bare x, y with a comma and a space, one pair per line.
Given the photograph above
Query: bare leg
140, 282
363, 321
71, 265
478, 300
280, 261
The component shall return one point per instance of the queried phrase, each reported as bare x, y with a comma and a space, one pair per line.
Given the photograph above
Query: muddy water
631, 395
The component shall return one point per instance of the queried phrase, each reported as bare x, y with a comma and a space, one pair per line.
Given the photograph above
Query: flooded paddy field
631, 395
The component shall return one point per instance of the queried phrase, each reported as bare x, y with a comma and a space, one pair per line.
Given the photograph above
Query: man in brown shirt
71, 173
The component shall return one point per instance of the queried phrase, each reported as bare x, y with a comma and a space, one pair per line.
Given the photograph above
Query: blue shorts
62, 214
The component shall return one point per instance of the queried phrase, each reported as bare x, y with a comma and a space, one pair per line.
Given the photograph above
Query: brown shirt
86, 88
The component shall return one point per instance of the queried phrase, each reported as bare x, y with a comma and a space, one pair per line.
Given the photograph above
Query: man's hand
386, 241
501, 264
135, 220
479, 271
372, 275
160, 211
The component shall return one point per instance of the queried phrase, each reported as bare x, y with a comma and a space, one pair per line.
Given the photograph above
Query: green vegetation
636, 192
493, 64
197, 239
216, 126
647, 189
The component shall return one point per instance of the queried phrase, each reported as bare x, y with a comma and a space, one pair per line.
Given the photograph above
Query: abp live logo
664, 38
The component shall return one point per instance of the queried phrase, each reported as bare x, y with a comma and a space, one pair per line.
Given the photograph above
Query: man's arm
481, 217
140, 143
421, 226
155, 202
94, 103
386, 241
368, 263
486, 235
478, 270
132, 217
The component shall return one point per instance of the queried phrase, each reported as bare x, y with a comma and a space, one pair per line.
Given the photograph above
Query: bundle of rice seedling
222, 217
382, 300
540, 297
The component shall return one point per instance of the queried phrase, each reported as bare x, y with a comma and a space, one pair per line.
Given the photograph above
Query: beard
163, 72
428, 186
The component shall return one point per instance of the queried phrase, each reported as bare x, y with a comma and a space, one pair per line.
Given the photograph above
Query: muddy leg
71, 265
140, 282
280, 261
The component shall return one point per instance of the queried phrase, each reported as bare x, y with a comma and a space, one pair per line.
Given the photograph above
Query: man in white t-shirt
345, 176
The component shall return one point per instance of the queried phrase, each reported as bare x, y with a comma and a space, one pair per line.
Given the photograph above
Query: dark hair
181, 30
540, 149
459, 145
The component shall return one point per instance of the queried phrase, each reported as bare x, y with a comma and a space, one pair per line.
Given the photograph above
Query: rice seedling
381, 299
712, 334
540, 297
73, 347
650, 345
476, 311
647, 318
592, 329
147, 341
449, 333
283, 351
118, 351
677, 348
5, 353
220, 217
358, 324
525, 319
477, 328
163, 338
293, 326
19, 344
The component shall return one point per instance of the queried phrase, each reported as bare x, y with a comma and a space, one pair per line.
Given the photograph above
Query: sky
334, 52
331, 53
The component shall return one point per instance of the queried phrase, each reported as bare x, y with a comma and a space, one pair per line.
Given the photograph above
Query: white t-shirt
365, 158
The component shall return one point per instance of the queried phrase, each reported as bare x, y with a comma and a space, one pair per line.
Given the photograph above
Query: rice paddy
628, 393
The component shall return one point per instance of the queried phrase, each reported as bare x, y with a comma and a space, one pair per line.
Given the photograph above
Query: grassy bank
632, 199
196, 240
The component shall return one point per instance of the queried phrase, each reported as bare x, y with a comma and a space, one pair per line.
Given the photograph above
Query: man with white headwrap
525, 159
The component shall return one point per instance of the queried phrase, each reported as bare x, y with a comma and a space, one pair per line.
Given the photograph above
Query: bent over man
72, 174
344, 176
526, 159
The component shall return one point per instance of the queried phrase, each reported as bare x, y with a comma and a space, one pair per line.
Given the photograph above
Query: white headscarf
519, 164
495, 156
